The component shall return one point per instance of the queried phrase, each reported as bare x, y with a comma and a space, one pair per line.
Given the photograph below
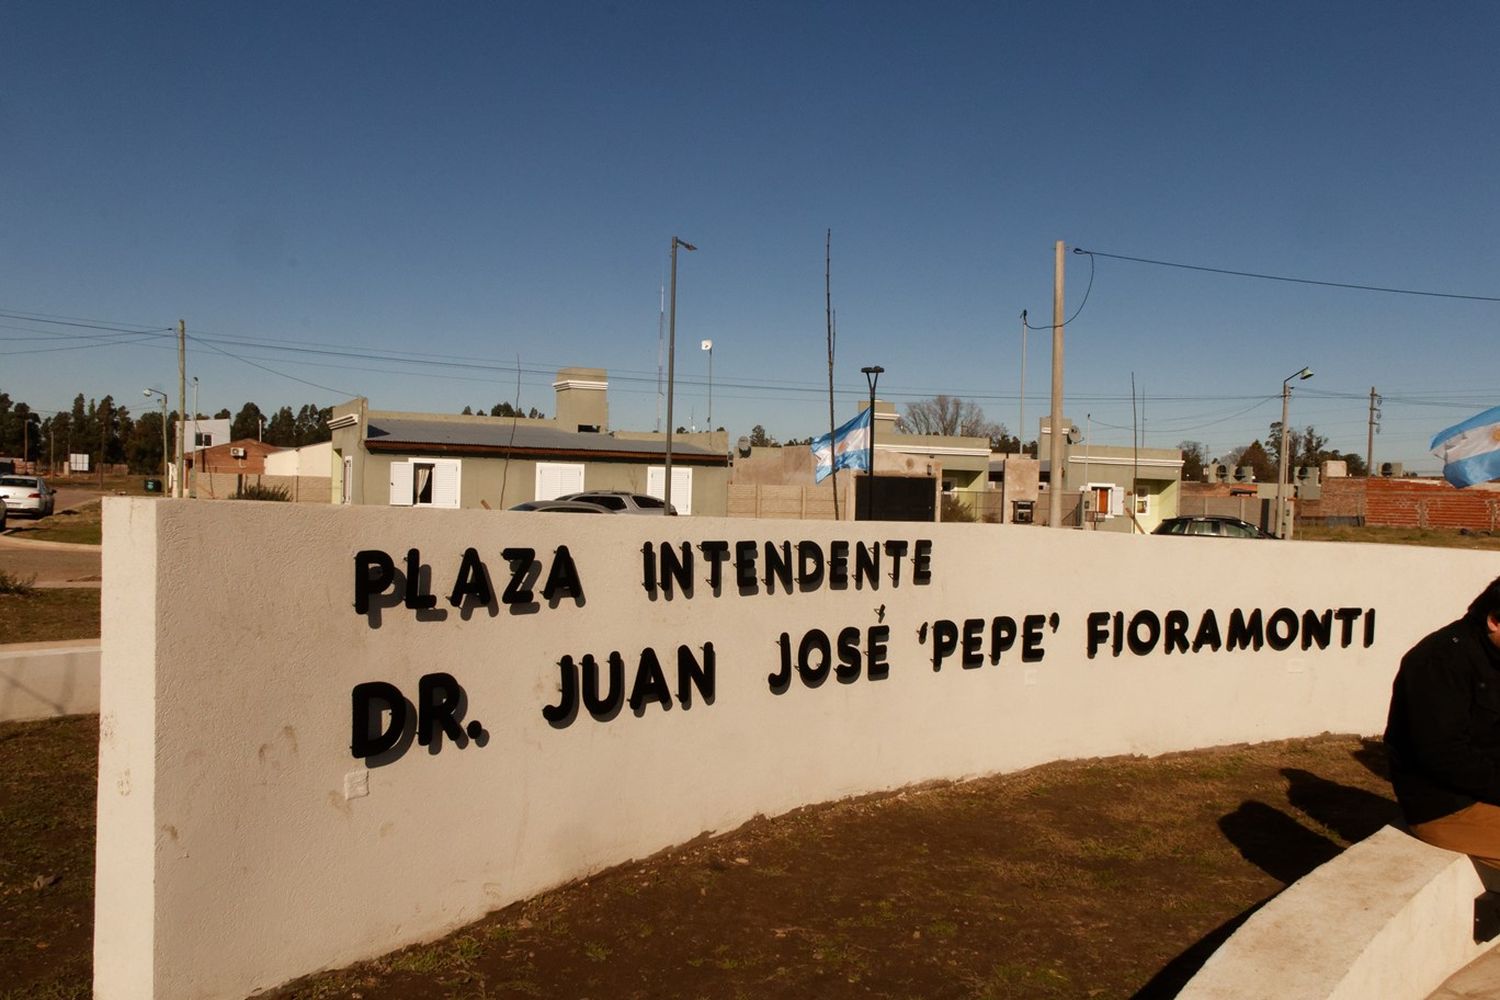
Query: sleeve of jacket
1436, 682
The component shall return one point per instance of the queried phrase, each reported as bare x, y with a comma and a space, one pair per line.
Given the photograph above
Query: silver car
28, 495
621, 501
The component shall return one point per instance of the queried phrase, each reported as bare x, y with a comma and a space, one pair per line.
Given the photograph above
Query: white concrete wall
241, 843
1390, 918
309, 460
43, 680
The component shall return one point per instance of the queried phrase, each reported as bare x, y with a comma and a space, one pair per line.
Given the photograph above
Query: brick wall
1425, 503
1405, 503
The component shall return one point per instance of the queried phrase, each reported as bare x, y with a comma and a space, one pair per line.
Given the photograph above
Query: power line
315, 385
1086, 292
1296, 281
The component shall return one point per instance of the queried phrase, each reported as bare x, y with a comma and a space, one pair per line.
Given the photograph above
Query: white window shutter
555, 479
1116, 501
682, 486
401, 484
445, 483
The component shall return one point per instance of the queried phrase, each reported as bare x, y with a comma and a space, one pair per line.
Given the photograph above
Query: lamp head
677, 242
1305, 373
872, 370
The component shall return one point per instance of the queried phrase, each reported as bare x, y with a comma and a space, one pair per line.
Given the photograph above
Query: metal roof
412, 433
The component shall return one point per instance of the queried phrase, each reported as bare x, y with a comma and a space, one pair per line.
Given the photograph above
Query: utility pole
177, 487
1021, 428
828, 318
1059, 477
197, 456
671, 369
1374, 426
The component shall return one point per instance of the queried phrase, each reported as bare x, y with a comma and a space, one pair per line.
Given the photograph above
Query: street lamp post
671, 363
708, 345
197, 437
872, 376
1281, 463
164, 457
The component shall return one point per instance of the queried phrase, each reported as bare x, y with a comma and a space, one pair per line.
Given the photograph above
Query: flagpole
872, 376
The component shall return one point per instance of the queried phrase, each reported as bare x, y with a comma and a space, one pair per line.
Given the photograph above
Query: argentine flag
847, 448
1471, 450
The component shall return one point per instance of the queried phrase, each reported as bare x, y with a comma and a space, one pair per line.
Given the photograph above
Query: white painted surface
262, 858
309, 460
1391, 918
43, 680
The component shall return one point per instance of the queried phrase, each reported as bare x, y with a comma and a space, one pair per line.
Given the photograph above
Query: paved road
52, 563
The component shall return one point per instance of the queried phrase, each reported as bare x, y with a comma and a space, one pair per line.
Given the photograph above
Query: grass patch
1435, 537
81, 525
50, 615
47, 862
1031, 885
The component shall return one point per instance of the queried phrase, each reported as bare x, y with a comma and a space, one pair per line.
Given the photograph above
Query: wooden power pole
181, 404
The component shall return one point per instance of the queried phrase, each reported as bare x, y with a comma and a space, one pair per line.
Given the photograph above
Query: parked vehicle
622, 501
27, 495
1215, 525
563, 507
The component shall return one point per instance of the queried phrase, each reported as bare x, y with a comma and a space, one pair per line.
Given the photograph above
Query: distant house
442, 460
1111, 487
226, 470
204, 433
916, 472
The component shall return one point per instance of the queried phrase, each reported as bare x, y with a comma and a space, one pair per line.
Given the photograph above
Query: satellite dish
708, 345
743, 446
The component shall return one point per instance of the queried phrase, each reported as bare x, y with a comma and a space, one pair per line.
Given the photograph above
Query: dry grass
50, 614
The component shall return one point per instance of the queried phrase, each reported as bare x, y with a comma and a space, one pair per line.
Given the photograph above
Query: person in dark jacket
1443, 733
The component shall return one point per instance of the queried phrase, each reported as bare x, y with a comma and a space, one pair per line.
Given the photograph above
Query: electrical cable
1296, 281
1085, 301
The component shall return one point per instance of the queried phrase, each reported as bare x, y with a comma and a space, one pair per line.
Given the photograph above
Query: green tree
281, 429
506, 410
1194, 459
1254, 455
311, 425
760, 439
143, 452
246, 423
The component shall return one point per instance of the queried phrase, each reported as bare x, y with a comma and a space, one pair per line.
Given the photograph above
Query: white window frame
347, 483
446, 483
555, 479
682, 486
1115, 499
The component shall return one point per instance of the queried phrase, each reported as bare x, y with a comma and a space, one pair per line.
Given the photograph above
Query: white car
27, 495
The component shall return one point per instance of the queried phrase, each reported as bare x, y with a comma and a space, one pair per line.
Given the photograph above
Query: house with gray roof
442, 460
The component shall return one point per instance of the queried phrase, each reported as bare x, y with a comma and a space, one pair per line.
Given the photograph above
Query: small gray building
441, 460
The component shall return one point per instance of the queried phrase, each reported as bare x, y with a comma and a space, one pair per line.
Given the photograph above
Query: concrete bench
1391, 917
42, 680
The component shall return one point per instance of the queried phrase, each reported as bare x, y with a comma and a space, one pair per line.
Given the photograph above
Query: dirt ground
1107, 878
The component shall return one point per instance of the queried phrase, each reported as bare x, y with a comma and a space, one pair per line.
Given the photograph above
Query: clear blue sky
477, 183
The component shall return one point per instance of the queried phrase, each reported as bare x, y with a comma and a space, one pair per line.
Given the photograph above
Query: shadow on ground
1287, 846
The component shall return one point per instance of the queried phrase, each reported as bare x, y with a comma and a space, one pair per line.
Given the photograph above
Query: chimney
582, 400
